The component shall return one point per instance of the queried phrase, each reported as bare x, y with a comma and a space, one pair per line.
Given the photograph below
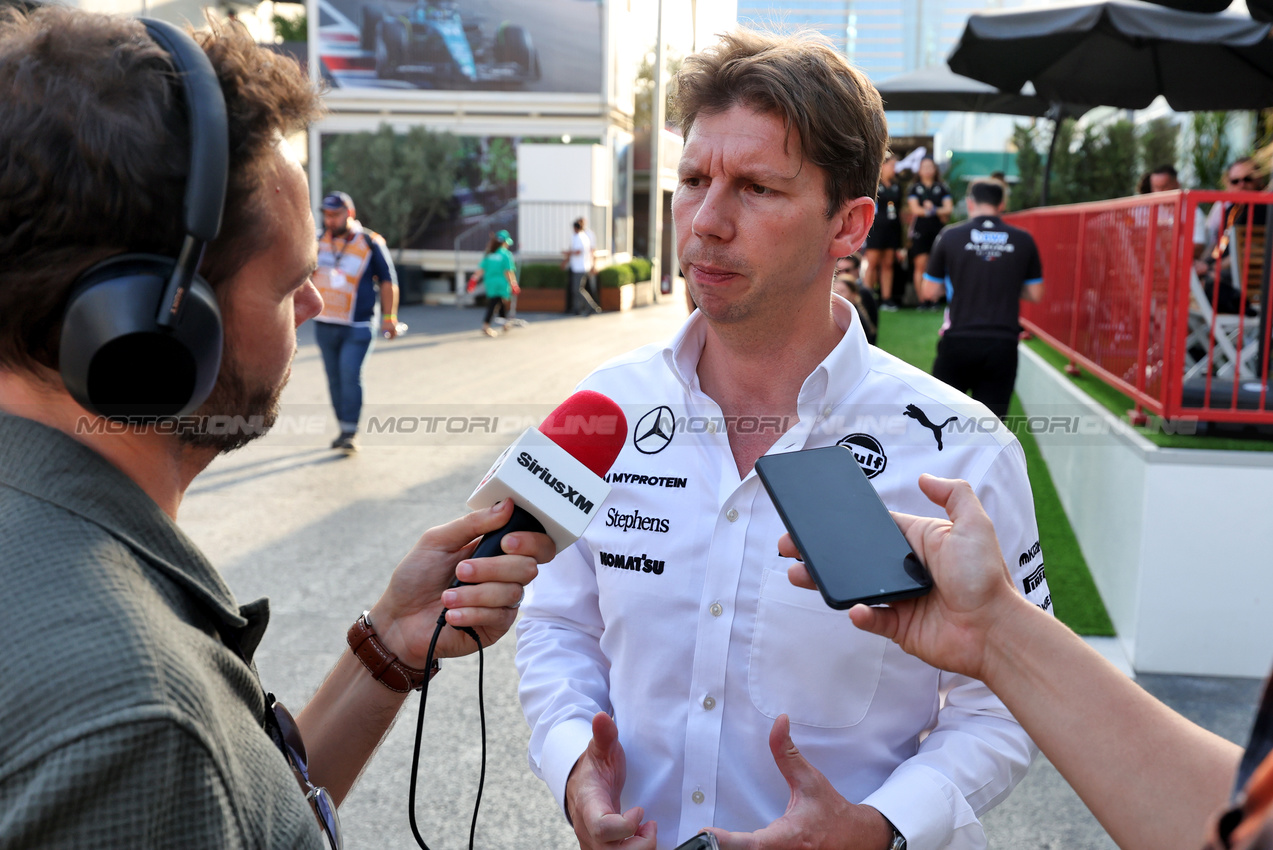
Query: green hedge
543, 276
641, 268
612, 277
553, 276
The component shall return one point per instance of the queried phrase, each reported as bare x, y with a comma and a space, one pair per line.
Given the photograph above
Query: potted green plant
543, 288
626, 285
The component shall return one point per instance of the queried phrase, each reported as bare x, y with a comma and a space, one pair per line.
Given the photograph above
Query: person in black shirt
886, 234
930, 205
987, 268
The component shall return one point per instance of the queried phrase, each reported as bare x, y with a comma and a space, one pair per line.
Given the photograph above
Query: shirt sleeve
977, 752
564, 673
381, 265
1034, 265
145, 784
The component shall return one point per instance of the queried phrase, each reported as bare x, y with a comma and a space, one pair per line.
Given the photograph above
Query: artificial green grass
1119, 404
1074, 595
912, 336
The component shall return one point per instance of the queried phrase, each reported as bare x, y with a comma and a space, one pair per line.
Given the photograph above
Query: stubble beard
251, 411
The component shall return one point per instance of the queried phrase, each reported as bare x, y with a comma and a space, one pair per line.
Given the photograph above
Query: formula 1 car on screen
430, 45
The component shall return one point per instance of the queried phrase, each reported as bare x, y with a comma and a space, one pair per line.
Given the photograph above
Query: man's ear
853, 222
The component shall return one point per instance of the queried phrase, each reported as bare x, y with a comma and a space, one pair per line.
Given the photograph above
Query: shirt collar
51, 466
832, 380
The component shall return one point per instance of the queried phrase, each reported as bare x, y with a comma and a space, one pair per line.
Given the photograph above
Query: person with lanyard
930, 205
885, 236
498, 272
1242, 177
353, 266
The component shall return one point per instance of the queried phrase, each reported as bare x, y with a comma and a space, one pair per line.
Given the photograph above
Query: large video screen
469, 45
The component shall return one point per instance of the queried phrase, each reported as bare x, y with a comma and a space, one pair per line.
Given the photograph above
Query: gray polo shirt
125, 719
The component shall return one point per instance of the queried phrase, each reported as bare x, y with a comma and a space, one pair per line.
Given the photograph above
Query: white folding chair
1236, 342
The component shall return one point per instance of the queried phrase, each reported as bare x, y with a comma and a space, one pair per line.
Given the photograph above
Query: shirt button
731, 515
826, 411
711, 427
709, 703
698, 797
716, 609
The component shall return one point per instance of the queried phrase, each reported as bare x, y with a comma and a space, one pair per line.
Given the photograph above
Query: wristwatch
899, 840
384, 666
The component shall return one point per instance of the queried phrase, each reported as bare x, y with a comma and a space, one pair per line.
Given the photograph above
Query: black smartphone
702, 841
846, 536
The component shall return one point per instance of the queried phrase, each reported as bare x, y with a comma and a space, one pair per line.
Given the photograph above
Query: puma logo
922, 418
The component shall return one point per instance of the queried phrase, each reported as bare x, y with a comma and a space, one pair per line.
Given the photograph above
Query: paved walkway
319, 534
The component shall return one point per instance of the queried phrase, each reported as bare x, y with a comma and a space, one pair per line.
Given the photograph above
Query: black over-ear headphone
141, 336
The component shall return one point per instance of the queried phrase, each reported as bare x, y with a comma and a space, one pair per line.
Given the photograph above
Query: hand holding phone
702, 841
846, 536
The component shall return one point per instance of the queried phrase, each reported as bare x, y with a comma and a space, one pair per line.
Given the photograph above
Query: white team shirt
674, 611
580, 249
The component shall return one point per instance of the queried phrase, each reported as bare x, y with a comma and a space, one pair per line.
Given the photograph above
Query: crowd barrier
1130, 295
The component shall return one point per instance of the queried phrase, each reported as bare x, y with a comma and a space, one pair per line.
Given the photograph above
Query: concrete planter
1175, 538
640, 294
541, 301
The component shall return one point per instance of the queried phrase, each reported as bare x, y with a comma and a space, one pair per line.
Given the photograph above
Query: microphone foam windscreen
591, 427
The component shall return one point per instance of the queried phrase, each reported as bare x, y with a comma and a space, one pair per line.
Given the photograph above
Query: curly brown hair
94, 152
836, 112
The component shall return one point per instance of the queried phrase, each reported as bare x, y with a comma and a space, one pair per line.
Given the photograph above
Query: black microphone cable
419, 730
490, 545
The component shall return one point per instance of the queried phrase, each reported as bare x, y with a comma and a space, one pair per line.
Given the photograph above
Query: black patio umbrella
936, 88
939, 89
1122, 53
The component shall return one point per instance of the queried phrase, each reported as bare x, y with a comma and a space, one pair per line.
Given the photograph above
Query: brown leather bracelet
383, 665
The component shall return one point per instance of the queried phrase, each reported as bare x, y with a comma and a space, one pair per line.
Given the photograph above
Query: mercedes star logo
654, 431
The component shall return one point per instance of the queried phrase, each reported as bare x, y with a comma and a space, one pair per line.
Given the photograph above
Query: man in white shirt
669, 668
579, 261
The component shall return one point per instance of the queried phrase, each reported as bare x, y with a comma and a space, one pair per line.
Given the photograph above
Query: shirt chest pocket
809, 661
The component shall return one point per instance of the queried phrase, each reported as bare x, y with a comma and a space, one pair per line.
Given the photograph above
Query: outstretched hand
948, 627
592, 795
817, 817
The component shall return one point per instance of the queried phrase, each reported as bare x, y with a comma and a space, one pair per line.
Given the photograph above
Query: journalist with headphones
158, 248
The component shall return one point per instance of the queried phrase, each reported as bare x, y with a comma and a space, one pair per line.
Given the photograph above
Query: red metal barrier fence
1165, 308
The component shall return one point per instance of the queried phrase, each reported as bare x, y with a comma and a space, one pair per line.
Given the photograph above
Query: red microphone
555, 474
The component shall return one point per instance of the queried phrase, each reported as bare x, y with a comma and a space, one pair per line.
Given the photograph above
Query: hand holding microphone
545, 502
538, 497
421, 588
555, 474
